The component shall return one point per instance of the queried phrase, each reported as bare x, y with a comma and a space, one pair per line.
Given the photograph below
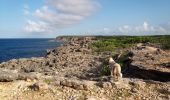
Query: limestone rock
30, 76
8, 75
107, 85
147, 63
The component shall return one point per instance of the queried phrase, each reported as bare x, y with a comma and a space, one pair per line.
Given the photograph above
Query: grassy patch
105, 67
48, 81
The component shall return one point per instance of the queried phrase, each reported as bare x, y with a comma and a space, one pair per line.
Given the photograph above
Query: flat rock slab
8, 75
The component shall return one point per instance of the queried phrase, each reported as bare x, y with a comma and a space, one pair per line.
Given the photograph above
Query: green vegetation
111, 43
48, 81
105, 68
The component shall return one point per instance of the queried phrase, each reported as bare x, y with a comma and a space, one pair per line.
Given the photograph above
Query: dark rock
131, 54
134, 90
39, 86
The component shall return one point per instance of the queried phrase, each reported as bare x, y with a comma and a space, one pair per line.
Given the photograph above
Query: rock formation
73, 72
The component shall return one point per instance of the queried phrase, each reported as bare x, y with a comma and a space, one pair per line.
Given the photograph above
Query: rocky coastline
73, 72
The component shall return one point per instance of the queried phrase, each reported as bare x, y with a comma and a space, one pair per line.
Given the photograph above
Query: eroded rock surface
149, 62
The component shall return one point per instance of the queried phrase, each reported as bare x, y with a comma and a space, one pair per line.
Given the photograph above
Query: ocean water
25, 48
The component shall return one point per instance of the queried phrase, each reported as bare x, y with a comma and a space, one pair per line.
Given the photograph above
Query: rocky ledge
149, 62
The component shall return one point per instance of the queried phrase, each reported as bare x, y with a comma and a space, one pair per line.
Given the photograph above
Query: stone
7, 75
134, 90
94, 98
168, 90
57, 83
141, 84
151, 49
29, 76
122, 84
39, 86
107, 85
88, 84
139, 45
90, 98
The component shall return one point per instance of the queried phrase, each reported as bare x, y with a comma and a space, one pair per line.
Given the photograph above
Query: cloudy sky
51, 18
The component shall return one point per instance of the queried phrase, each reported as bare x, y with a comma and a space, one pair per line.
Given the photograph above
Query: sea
25, 48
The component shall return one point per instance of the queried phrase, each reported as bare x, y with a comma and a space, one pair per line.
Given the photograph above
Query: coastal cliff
75, 71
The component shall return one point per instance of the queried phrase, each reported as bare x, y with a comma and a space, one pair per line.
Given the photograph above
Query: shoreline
25, 48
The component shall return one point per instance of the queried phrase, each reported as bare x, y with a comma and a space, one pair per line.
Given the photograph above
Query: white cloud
124, 29
58, 14
78, 7
39, 27
144, 29
26, 10
99, 31
165, 27
57, 19
145, 26
26, 6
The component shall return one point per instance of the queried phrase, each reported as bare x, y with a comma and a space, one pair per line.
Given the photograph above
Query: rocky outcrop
72, 59
148, 62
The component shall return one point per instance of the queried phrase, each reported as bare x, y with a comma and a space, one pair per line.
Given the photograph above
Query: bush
105, 67
106, 70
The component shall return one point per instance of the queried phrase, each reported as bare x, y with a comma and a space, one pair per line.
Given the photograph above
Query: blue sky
50, 18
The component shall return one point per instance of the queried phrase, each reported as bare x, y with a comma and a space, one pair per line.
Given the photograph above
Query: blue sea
25, 48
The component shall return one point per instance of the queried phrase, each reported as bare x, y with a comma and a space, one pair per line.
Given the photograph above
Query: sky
51, 18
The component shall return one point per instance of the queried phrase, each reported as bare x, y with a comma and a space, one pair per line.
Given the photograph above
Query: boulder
91, 98
7, 75
39, 86
29, 76
107, 85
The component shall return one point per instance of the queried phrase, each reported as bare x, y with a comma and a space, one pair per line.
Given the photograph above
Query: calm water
24, 48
